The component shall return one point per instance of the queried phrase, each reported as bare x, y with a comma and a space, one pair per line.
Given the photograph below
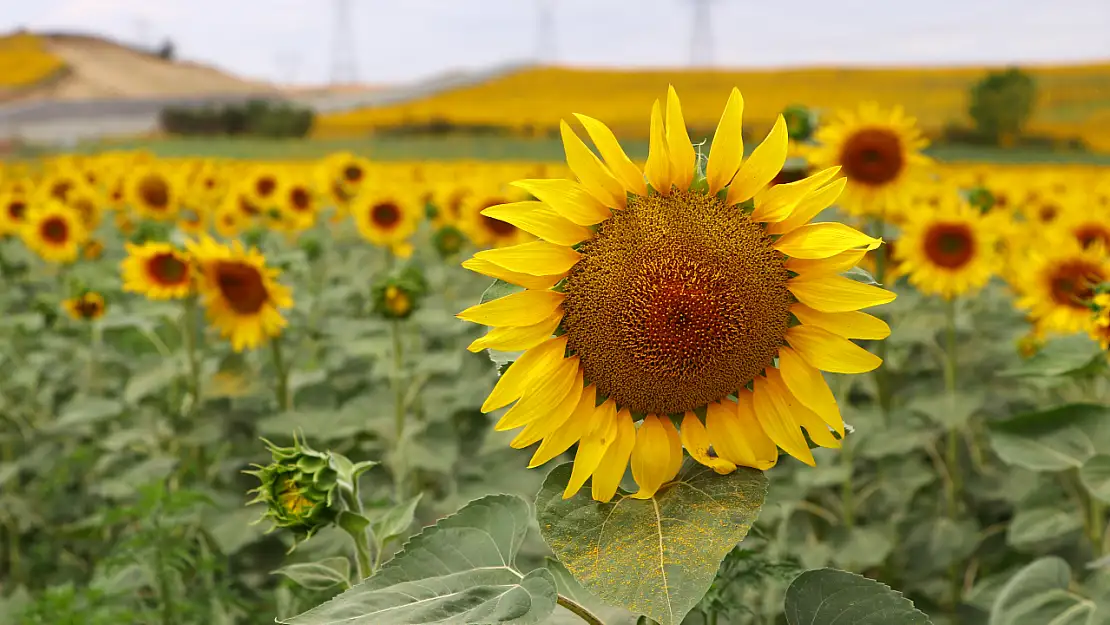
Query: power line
344, 68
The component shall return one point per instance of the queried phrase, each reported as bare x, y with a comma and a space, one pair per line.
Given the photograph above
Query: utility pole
545, 31
701, 33
344, 68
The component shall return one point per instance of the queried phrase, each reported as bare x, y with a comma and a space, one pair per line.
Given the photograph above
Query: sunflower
54, 231
1056, 283
13, 212
1100, 329
712, 302
157, 270
297, 203
1088, 222
240, 294
261, 186
88, 204
949, 251
86, 307
879, 152
387, 217
58, 184
154, 193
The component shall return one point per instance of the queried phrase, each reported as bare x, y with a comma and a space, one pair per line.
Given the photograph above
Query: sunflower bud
399, 295
87, 306
312, 248
800, 122
1030, 344
299, 488
981, 198
448, 241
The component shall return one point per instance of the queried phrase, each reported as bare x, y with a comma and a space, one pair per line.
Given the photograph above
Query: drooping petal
536, 362
824, 266
727, 151
809, 386
777, 203
658, 166
679, 147
851, 325
535, 258
789, 404
552, 419
762, 166
514, 339
732, 440
779, 425
487, 268
542, 396
515, 310
651, 456
696, 440
538, 219
764, 449
629, 175
567, 198
809, 207
570, 432
593, 446
837, 294
828, 352
824, 240
607, 476
591, 172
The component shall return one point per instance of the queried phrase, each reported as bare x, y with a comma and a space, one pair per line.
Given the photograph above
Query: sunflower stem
952, 449
398, 409
189, 336
363, 562
882, 379
579, 611
281, 391
11, 528
96, 336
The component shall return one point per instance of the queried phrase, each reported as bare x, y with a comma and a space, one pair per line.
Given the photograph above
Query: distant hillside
1072, 100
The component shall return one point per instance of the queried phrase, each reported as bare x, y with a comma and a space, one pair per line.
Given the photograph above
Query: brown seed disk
242, 286
872, 156
950, 245
677, 302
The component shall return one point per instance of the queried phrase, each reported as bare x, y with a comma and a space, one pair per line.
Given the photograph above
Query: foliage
1001, 103
260, 118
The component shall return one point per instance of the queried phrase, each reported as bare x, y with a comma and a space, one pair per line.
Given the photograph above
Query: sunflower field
605, 390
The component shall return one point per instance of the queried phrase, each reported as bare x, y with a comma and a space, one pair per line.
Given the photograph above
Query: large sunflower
54, 231
879, 153
387, 217
950, 250
157, 270
240, 294
707, 300
1057, 284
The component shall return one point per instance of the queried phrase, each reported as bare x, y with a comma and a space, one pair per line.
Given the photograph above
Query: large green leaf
1038, 595
1052, 440
1061, 356
1030, 527
833, 597
461, 570
656, 556
1095, 476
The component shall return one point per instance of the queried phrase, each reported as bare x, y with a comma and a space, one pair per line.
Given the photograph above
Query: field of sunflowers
604, 390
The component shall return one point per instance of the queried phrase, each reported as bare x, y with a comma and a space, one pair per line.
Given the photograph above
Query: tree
1001, 103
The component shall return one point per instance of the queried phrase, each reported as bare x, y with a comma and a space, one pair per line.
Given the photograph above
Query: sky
396, 41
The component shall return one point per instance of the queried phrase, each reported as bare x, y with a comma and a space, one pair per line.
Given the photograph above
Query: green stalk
882, 379
281, 391
579, 611
96, 335
189, 336
363, 566
398, 409
11, 528
952, 450
1097, 514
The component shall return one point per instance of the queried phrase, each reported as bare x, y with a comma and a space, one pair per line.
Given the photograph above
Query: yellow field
25, 61
1072, 100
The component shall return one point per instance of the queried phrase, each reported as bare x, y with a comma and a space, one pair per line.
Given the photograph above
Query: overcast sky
401, 40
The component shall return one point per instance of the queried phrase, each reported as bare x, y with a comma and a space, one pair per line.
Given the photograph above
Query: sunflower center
241, 285
299, 199
385, 214
16, 210
60, 190
265, 186
352, 173
55, 230
1047, 213
166, 268
88, 308
789, 175
1091, 234
155, 192
677, 302
1073, 283
950, 246
872, 156
498, 227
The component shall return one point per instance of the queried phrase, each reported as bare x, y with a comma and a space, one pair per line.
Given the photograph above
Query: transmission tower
344, 68
545, 31
701, 33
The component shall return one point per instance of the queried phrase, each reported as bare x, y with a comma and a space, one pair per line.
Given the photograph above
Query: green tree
1001, 103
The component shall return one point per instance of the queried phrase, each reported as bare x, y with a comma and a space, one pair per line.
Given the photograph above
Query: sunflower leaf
658, 556
832, 596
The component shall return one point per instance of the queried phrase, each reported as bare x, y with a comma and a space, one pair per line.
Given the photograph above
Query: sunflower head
674, 295
157, 270
399, 294
88, 306
1100, 303
13, 212
386, 216
1058, 282
54, 231
92, 250
950, 250
154, 192
299, 487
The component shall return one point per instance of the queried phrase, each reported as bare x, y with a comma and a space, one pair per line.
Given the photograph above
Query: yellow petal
681, 151
554, 419
541, 396
823, 266
809, 386
515, 339
779, 425
567, 198
777, 203
787, 403
607, 476
516, 310
487, 268
809, 207
727, 151
538, 219
591, 172
732, 440
696, 441
824, 240
629, 175
675, 446
762, 166
828, 352
837, 294
593, 446
535, 258
651, 457
658, 166
851, 325
570, 432
536, 362
761, 445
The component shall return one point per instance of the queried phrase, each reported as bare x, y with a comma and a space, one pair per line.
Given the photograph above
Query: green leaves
1063, 356
1039, 594
459, 571
832, 597
1052, 440
658, 556
320, 575
1095, 476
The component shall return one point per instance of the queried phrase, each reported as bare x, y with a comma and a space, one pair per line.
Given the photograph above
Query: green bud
981, 198
312, 248
800, 122
448, 241
431, 211
398, 295
299, 487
